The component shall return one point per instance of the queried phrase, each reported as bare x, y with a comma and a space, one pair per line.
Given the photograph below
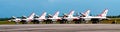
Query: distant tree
119, 16
3, 19
91, 15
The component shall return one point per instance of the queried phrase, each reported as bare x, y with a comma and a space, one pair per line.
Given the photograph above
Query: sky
19, 8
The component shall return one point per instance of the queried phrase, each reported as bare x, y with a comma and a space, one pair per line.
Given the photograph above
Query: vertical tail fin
43, 15
56, 14
71, 13
31, 16
104, 13
86, 13
14, 17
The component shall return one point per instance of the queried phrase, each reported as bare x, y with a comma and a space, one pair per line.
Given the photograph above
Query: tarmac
60, 28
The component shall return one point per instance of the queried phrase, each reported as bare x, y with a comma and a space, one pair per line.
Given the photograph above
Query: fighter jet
101, 16
15, 19
26, 20
39, 19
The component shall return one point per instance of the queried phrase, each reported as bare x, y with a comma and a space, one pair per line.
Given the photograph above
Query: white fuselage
55, 18
40, 19
71, 18
93, 17
28, 19
16, 20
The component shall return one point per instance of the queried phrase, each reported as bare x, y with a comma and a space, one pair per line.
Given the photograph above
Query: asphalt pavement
60, 28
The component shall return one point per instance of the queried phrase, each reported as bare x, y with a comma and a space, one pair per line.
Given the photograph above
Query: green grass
6, 22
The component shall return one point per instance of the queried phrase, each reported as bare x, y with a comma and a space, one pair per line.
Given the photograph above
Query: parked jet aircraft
69, 17
29, 19
40, 19
99, 17
72, 18
55, 17
15, 19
